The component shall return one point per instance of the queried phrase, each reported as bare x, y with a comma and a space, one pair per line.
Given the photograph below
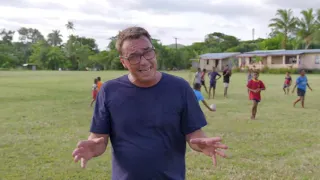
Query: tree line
79, 53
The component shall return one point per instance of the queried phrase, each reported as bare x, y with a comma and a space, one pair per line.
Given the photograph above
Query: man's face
139, 58
255, 75
302, 73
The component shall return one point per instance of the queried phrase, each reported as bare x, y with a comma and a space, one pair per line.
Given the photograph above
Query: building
306, 59
218, 60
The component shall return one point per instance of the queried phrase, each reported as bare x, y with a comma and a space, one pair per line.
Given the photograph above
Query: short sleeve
100, 123
298, 80
249, 84
201, 98
192, 117
262, 85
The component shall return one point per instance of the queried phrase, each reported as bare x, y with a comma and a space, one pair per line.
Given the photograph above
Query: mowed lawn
44, 114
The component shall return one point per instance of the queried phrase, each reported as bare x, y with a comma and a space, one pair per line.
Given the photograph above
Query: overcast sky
188, 20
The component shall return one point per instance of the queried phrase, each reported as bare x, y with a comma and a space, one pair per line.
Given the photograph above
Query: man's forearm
194, 135
99, 150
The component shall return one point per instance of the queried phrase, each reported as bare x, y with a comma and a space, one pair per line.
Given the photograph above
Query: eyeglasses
136, 58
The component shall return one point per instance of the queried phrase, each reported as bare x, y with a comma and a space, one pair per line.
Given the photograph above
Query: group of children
95, 89
254, 86
214, 76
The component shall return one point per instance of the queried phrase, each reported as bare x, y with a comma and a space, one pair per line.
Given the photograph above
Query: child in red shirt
255, 86
94, 91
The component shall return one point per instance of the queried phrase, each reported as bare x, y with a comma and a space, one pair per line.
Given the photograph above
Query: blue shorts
213, 84
301, 93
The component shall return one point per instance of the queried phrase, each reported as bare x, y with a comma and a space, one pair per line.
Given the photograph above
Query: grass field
44, 114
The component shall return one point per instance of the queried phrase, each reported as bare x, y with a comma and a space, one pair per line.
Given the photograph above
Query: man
301, 84
213, 81
148, 116
226, 80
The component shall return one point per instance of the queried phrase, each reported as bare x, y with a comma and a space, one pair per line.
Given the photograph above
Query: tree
54, 38
307, 27
6, 36
285, 24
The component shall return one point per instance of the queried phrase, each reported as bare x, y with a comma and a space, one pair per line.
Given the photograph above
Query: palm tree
284, 23
307, 27
55, 38
70, 26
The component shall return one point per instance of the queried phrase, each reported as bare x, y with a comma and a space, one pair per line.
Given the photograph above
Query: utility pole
253, 34
176, 42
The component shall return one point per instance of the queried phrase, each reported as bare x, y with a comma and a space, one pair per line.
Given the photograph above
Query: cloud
189, 20
30, 4
294, 4
225, 8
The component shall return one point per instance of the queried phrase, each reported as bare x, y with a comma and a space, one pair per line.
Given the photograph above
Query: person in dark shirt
213, 81
226, 80
149, 116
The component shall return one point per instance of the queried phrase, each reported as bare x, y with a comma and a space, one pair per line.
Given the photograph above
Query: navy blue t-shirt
147, 126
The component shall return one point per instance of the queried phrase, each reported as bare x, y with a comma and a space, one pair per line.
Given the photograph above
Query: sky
187, 20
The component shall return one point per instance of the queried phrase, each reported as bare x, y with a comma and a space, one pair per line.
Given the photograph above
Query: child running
255, 86
94, 91
301, 84
197, 92
287, 83
213, 81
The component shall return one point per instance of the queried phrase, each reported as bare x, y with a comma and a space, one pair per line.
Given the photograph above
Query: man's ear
123, 63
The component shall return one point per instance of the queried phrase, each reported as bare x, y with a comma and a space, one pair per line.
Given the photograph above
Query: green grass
44, 114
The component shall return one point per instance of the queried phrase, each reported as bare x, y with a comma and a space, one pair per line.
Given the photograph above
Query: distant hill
174, 46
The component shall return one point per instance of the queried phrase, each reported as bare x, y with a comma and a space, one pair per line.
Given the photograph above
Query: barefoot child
204, 71
94, 91
197, 92
287, 83
249, 77
99, 83
213, 81
301, 84
255, 86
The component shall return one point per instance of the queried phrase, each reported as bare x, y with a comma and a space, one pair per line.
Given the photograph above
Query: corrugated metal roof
278, 52
218, 55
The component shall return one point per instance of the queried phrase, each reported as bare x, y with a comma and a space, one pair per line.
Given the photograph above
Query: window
207, 61
317, 60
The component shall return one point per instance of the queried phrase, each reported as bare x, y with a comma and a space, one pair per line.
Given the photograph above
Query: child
213, 81
287, 83
197, 92
255, 86
226, 80
99, 84
249, 77
197, 77
202, 79
301, 84
94, 91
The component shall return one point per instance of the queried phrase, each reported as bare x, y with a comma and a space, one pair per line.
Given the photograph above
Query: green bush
236, 70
